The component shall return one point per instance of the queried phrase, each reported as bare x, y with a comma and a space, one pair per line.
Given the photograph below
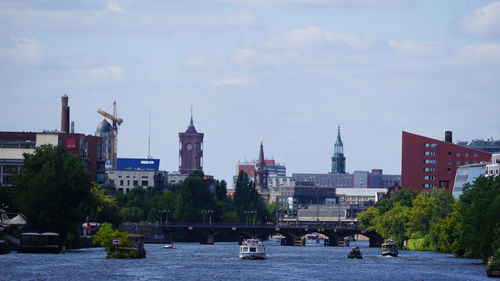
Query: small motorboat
252, 249
389, 248
355, 253
169, 246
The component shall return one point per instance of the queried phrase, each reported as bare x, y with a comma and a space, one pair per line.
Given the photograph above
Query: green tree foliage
134, 214
192, 196
104, 207
107, 234
246, 198
53, 190
392, 224
480, 220
367, 218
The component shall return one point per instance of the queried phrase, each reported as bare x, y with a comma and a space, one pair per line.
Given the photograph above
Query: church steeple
338, 159
261, 172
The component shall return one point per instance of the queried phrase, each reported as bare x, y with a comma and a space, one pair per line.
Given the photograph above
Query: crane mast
116, 122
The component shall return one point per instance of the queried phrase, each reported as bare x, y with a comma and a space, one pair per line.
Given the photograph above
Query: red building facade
429, 163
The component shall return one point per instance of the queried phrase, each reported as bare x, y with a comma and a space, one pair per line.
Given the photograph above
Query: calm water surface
190, 261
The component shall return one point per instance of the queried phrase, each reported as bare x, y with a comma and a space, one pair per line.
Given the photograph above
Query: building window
144, 183
121, 182
449, 161
458, 162
475, 154
430, 161
136, 183
430, 153
429, 178
457, 154
449, 170
449, 153
429, 169
429, 185
466, 154
466, 162
432, 145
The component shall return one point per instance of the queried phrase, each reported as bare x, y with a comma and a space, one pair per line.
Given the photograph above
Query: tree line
54, 192
433, 220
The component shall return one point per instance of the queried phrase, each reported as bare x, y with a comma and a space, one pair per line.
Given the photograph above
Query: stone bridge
292, 232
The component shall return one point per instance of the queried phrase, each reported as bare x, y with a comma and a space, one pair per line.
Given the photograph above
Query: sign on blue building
138, 164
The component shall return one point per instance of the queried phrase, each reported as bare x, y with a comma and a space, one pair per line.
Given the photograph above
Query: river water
190, 261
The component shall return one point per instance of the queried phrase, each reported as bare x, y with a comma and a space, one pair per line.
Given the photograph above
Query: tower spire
338, 159
191, 123
261, 154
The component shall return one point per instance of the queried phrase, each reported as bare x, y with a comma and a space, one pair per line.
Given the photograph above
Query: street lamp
209, 212
166, 213
251, 212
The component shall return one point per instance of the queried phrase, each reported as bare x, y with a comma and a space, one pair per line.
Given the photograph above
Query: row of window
429, 178
458, 162
429, 185
134, 183
457, 154
432, 145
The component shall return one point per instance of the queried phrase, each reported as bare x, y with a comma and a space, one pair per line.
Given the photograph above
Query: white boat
169, 246
252, 249
389, 248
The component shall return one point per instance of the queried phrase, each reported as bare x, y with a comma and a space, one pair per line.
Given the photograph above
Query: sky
286, 71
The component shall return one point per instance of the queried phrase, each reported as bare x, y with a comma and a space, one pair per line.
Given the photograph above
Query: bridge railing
294, 225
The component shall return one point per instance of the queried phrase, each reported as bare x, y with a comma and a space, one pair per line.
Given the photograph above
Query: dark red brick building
190, 150
430, 163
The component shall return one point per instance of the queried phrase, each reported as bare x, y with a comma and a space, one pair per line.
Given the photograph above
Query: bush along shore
434, 221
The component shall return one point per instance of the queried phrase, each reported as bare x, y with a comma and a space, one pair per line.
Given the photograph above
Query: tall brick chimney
448, 136
64, 114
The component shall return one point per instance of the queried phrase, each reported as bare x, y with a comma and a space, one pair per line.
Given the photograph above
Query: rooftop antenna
149, 136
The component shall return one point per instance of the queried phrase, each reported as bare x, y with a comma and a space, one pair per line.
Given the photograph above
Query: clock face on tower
189, 146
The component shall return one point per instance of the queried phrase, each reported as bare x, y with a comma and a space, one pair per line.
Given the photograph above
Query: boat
169, 246
355, 253
389, 248
493, 266
252, 249
47, 242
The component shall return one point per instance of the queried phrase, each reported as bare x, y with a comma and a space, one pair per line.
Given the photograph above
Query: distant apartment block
137, 172
14, 144
429, 163
358, 179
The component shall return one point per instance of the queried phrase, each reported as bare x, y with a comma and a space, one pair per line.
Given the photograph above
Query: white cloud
26, 50
249, 56
203, 62
342, 3
483, 21
415, 48
116, 7
482, 54
105, 73
233, 81
312, 36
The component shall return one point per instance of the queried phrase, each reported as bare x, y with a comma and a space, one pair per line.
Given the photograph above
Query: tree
392, 224
193, 195
246, 198
481, 212
53, 190
104, 207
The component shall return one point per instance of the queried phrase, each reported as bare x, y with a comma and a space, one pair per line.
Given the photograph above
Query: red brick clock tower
190, 150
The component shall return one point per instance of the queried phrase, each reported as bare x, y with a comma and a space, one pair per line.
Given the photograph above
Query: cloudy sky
288, 71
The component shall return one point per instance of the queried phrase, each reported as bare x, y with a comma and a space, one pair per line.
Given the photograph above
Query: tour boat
355, 253
252, 249
47, 242
389, 248
169, 246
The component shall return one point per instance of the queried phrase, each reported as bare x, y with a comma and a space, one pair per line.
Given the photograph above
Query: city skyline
288, 71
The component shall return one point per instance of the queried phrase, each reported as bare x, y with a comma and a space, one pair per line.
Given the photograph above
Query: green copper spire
338, 159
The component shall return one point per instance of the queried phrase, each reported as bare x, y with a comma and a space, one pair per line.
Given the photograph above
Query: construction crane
116, 123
